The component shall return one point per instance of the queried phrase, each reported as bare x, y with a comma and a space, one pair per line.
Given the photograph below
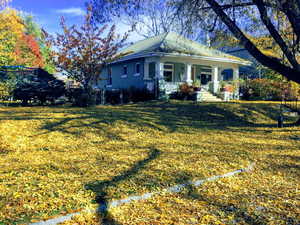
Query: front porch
173, 71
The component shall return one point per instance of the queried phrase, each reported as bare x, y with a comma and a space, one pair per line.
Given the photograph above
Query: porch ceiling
199, 60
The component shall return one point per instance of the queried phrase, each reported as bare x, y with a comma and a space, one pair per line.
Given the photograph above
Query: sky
47, 13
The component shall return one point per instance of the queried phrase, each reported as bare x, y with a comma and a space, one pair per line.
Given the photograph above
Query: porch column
215, 81
236, 78
146, 70
236, 73
220, 77
188, 73
159, 70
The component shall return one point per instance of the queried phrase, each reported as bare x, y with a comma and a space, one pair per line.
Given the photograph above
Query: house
246, 72
167, 60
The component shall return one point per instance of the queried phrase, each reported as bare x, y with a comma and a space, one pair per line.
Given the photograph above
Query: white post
146, 70
159, 70
235, 73
220, 77
188, 73
236, 78
215, 81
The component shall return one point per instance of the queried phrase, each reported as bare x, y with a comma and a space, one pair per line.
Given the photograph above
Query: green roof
175, 44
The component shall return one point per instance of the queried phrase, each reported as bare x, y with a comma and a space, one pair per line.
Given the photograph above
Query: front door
205, 80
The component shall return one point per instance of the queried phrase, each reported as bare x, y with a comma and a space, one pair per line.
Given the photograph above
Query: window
205, 75
168, 72
168, 66
124, 71
109, 76
152, 69
205, 78
137, 69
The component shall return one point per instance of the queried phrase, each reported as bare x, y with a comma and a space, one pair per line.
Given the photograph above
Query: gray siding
118, 82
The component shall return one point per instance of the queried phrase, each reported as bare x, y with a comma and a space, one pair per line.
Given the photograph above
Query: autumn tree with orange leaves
82, 53
28, 52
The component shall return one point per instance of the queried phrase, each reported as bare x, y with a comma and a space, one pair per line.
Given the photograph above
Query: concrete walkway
173, 189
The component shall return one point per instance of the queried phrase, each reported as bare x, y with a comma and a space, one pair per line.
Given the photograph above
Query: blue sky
48, 13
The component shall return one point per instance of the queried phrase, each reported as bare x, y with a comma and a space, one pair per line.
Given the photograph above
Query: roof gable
175, 44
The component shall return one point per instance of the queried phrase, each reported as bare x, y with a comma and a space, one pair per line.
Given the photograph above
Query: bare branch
277, 37
254, 51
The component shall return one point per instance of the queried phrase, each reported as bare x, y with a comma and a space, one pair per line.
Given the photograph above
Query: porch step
208, 97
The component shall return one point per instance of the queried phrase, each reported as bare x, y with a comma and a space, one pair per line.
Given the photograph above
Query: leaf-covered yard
57, 160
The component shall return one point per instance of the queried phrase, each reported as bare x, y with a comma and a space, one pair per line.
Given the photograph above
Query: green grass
56, 160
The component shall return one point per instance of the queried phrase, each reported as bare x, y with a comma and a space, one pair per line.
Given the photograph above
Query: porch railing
172, 86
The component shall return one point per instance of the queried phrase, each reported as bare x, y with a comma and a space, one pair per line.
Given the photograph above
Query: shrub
79, 97
186, 92
186, 89
39, 86
128, 95
229, 86
113, 97
267, 89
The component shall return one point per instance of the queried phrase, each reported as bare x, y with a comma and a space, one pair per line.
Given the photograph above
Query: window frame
137, 73
150, 75
169, 70
124, 75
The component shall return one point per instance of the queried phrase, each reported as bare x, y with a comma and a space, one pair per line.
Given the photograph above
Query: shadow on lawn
162, 116
99, 187
240, 215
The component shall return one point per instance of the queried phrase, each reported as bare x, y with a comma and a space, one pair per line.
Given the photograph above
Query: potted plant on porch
196, 85
226, 90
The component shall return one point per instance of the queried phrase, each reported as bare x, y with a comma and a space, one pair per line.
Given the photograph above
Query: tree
244, 19
151, 19
28, 52
4, 3
11, 30
82, 53
39, 85
22, 41
44, 56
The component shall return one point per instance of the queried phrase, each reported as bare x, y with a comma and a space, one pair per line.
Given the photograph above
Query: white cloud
71, 11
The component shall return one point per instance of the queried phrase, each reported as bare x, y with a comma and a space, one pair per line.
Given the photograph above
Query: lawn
57, 160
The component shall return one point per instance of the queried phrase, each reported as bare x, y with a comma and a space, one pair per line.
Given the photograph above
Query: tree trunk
90, 95
288, 72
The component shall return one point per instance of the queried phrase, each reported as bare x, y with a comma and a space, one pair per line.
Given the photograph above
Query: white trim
169, 70
205, 72
108, 86
188, 73
136, 74
124, 76
215, 81
146, 70
159, 70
